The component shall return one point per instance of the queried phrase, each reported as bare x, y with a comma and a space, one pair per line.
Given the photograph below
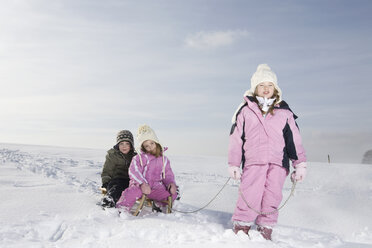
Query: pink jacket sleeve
136, 170
169, 176
301, 155
235, 152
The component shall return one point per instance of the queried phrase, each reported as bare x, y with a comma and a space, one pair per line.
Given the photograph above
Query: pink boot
238, 228
265, 232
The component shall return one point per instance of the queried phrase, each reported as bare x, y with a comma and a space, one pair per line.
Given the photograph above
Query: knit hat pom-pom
146, 133
143, 129
263, 67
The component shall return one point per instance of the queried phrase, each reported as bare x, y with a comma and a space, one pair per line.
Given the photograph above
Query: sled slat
144, 201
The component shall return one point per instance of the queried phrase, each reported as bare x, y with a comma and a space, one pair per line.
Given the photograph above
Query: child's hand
172, 188
300, 172
234, 172
146, 189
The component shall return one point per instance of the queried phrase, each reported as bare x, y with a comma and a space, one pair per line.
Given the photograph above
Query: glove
145, 188
299, 174
234, 172
104, 188
172, 188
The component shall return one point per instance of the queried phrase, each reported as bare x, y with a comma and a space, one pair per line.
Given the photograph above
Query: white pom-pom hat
145, 133
263, 74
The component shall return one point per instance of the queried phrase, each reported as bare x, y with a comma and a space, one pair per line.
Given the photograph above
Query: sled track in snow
59, 168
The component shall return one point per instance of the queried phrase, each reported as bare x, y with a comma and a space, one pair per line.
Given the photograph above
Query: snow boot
238, 228
265, 232
155, 208
178, 193
108, 202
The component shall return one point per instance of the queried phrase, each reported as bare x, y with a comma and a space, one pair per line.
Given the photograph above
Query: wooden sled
146, 202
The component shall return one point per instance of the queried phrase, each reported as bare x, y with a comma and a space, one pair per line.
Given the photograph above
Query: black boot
108, 202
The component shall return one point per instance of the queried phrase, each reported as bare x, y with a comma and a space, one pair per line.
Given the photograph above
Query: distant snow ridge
367, 158
53, 167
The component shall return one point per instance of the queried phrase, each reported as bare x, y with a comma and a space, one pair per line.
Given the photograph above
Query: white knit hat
145, 133
263, 74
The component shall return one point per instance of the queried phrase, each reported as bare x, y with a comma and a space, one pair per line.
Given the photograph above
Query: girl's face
265, 89
150, 146
124, 147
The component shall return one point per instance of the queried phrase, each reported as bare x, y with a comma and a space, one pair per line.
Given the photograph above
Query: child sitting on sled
150, 172
114, 175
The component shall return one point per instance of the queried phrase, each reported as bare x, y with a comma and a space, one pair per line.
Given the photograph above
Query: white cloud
211, 40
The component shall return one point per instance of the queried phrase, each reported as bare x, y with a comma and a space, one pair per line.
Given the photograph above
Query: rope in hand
197, 210
248, 205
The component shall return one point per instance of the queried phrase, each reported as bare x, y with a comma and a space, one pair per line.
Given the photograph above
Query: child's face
124, 147
150, 146
265, 89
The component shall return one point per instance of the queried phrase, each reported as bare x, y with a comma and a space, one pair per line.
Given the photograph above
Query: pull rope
240, 192
199, 209
271, 212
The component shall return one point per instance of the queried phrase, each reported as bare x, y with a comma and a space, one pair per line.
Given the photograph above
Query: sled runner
146, 202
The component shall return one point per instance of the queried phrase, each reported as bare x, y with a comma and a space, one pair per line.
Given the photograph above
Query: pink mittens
234, 172
299, 174
145, 188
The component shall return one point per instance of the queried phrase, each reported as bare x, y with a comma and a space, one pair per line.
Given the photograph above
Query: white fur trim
242, 223
265, 103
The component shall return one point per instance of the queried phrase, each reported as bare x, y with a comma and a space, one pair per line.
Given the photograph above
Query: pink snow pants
261, 186
133, 193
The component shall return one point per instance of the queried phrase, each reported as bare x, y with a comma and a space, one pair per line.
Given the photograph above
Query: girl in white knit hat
264, 137
150, 172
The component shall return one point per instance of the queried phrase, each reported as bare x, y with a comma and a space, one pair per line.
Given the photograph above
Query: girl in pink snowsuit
263, 138
150, 172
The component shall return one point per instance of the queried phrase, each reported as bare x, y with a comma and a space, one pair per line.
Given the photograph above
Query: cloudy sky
74, 72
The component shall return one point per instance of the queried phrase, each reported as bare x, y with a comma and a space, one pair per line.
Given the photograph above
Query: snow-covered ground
49, 196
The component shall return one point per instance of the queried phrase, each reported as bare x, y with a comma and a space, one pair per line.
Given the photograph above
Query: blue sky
75, 72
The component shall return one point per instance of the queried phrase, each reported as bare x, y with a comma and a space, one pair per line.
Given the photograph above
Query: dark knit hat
124, 135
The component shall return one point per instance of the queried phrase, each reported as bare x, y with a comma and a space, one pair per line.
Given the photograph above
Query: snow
49, 196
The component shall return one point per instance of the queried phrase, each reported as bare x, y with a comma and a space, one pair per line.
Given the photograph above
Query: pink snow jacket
255, 139
151, 170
